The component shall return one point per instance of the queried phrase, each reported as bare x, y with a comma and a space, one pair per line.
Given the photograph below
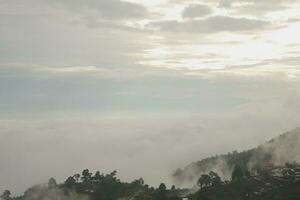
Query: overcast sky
141, 86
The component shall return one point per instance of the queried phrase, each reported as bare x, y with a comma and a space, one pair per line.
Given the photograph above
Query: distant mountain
276, 152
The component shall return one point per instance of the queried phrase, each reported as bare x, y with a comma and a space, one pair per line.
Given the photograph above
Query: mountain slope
278, 151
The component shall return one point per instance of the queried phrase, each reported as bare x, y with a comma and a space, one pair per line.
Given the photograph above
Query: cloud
134, 72
74, 57
256, 7
196, 10
289, 60
111, 10
55, 38
113, 14
260, 8
248, 7
74, 69
132, 142
263, 70
225, 4
213, 24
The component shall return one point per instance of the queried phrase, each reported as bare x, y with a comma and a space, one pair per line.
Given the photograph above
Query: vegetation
97, 186
255, 160
208, 180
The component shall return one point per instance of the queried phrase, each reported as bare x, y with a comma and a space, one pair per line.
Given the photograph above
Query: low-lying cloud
196, 10
113, 9
214, 24
149, 145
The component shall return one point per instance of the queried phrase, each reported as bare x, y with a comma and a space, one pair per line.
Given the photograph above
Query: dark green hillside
251, 190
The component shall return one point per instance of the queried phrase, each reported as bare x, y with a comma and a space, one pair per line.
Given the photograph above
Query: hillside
268, 172
97, 186
251, 189
278, 151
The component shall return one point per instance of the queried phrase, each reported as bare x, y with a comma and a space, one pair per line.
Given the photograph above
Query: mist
142, 87
148, 145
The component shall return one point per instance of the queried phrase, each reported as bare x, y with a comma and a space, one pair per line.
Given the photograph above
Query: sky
141, 87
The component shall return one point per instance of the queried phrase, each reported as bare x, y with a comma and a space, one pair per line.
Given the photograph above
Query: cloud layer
196, 10
213, 24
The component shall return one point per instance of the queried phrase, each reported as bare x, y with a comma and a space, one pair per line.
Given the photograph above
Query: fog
148, 145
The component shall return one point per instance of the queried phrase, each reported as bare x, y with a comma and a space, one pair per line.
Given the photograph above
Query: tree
204, 181
52, 183
97, 177
86, 176
173, 188
237, 174
70, 182
161, 192
6, 195
138, 182
76, 177
141, 181
215, 178
162, 187
113, 174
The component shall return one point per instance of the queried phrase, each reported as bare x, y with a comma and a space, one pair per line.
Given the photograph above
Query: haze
141, 87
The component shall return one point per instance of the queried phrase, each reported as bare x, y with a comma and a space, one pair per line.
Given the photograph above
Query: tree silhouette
70, 182
52, 183
162, 187
76, 177
161, 192
237, 173
215, 178
204, 181
97, 177
86, 176
173, 188
6, 195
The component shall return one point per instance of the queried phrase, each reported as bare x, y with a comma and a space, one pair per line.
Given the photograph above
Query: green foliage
204, 181
86, 176
70, 182
207, 180
109, 187
162, 187
251, 189
215, 178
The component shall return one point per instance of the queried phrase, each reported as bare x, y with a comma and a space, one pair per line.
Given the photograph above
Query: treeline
108, 187
97, 186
